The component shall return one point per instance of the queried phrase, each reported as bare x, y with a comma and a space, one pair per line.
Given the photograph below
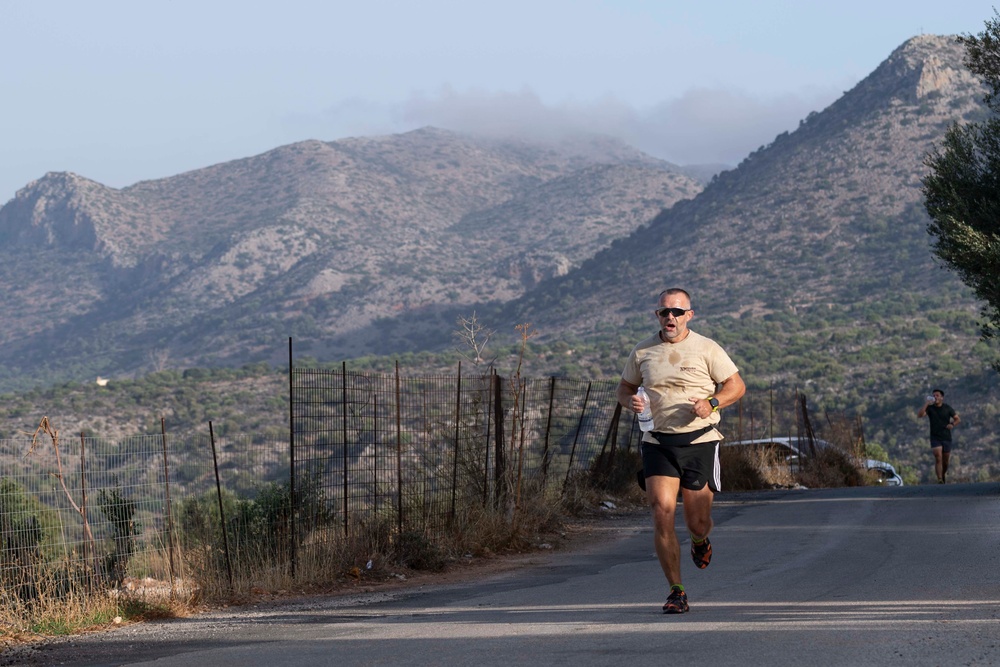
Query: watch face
714, 402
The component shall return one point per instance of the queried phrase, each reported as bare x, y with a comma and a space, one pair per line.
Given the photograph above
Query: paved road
872, 576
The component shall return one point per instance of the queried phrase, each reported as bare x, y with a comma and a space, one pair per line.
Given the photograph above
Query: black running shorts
945, 445
695, 465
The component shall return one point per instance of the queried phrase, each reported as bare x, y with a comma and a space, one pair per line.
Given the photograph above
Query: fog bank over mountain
706, 125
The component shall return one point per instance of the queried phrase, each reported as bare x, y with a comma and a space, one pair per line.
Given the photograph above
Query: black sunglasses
676, 312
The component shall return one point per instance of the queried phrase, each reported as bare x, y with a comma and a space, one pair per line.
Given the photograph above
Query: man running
942, 418
688, 379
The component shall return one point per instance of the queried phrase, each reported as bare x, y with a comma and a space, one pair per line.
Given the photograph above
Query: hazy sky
123, 91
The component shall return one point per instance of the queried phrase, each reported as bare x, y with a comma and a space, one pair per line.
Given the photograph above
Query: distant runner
943, 419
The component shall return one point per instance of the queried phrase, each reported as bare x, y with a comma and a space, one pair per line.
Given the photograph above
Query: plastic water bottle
646, 416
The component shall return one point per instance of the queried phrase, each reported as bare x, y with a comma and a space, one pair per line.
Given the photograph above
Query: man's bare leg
661, 492
698, 511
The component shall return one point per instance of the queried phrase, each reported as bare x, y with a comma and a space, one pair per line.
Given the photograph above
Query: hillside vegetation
810, 262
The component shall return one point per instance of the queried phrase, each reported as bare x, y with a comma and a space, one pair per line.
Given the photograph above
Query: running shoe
677, 602
701, 554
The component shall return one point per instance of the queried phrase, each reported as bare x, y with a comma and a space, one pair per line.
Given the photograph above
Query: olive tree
962, 189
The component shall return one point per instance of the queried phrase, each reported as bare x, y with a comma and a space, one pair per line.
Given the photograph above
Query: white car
883, 472
795, 449
791, 449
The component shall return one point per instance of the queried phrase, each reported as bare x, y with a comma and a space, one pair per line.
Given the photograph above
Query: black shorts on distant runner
695, 465
945, 445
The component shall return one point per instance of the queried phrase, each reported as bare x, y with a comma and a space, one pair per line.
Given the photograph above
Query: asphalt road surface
869, 576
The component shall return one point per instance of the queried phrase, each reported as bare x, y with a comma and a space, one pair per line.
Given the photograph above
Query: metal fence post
399, 458
458, 422
522, 392
343, 412
222, 512
605, 458
87, 544
170, 519
548, 429
488, 411
576, 437
291, 462
739, 412
498, 456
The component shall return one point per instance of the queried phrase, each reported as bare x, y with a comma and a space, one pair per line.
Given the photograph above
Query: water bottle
646, 416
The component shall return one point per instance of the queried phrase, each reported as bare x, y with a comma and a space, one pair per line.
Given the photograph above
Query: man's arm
730, 391
954, 420
627, 398
922, 412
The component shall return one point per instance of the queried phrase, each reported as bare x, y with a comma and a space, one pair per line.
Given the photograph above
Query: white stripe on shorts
717, 468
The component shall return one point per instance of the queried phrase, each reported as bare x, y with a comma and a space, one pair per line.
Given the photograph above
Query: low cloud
707, 126
703, 126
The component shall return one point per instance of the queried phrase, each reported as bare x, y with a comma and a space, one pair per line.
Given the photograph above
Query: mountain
829, 213
222, 264
811, 262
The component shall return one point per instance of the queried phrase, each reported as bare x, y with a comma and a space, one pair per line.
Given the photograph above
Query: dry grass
758, 468
832, 468
65, 597
374, 550
755, 468
54, 607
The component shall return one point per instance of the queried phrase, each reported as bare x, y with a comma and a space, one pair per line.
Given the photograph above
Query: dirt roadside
112, 644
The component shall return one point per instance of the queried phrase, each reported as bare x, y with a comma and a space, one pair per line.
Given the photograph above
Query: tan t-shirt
673, 374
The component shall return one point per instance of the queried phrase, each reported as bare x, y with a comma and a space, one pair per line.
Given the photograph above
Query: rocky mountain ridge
311, 237
810, 261
328, 241
836, 204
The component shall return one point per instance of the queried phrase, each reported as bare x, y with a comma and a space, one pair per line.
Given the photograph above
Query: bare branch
45, 428
472, 334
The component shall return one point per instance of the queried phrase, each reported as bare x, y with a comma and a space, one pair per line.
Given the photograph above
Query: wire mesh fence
90, 512
421, 449
411, 454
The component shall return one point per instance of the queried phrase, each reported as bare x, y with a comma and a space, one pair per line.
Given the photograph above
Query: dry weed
754, 469
831, 468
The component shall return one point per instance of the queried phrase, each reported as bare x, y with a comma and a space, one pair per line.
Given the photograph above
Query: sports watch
714, 402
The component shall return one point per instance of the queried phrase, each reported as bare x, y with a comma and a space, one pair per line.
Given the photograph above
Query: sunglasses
676, 312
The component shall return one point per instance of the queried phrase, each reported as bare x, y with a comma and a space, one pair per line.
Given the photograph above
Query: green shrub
120, 512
